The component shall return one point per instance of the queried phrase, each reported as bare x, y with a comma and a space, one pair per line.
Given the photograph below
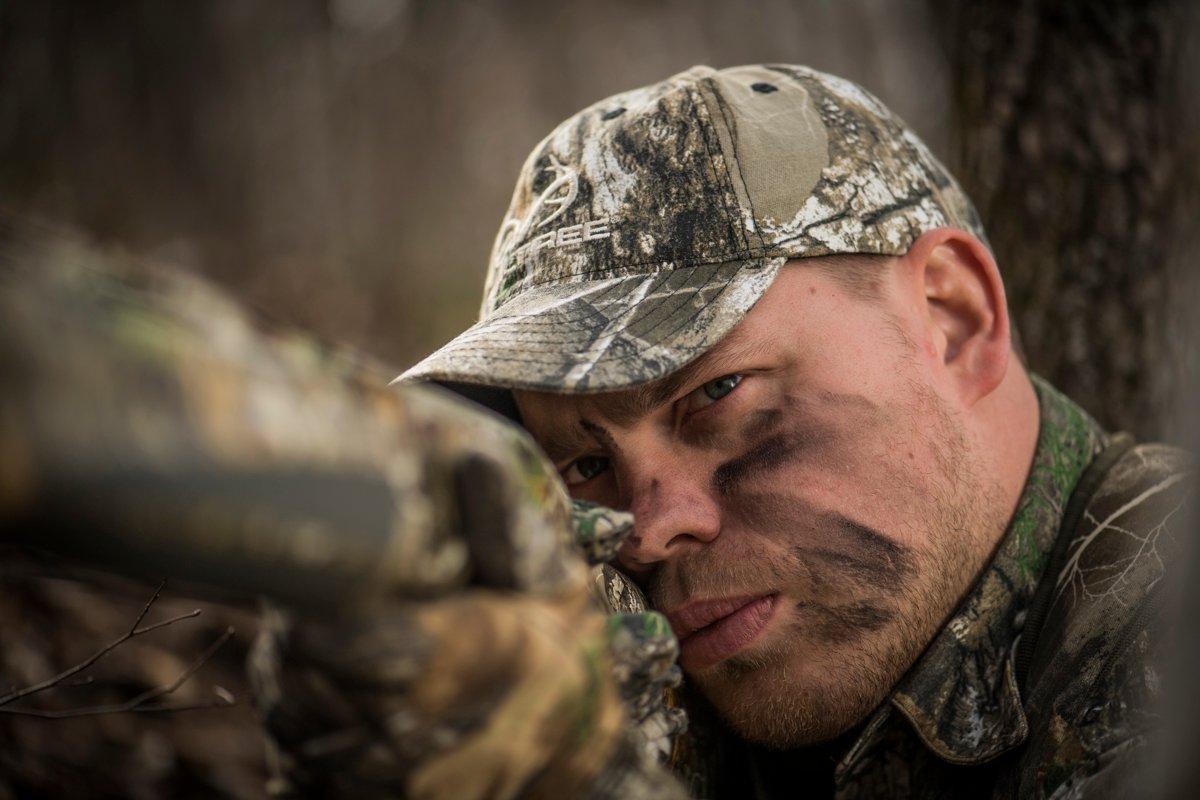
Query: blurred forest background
342, 165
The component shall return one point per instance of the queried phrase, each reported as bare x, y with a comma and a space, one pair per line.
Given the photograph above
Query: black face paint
861, 554
775, 451
849, 576
841, 579
770, 454
840, 623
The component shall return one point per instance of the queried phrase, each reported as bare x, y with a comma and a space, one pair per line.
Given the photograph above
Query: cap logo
551, 204
564, 178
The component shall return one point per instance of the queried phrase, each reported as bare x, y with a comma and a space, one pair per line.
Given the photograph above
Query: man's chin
779, 724
768, 705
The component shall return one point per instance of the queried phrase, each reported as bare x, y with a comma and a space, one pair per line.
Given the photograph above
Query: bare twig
72, 713
201, 660
195, 612
86, 680
140, 703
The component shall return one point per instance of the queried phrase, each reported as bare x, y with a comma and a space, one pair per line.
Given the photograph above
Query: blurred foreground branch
143, 702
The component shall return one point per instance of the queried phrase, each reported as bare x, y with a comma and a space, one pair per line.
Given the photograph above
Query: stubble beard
842, 660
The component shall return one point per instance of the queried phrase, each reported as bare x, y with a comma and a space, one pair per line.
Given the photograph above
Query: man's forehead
763, 328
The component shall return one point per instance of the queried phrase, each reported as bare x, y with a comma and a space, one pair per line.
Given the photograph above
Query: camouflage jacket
982, 714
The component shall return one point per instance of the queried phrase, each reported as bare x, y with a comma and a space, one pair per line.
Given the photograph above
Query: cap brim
602, 335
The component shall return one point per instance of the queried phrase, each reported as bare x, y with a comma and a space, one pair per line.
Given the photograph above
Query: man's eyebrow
601, 433
565, 443
625, 407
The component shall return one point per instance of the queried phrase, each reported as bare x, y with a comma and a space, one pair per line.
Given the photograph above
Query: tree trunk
1069, 136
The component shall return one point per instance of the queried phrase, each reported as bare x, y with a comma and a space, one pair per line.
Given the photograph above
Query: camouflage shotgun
151, 427
431, 564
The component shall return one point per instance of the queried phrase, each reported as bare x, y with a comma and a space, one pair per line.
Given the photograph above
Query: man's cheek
771, 514
874, 482
834, 624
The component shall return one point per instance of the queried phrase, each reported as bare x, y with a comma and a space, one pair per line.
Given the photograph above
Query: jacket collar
961, 696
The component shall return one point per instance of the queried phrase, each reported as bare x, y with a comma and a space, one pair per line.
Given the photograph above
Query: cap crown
709, 167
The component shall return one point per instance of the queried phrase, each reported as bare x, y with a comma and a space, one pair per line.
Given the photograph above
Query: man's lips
713, 630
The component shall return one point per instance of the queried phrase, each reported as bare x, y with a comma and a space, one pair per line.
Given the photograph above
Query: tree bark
1069, 134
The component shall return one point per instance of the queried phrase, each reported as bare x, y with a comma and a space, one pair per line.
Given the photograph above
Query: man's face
806, 502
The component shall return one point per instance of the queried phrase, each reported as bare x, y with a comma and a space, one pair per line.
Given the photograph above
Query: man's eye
582, 470
711, 392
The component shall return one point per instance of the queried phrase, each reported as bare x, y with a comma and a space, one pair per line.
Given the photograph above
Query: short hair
862, 274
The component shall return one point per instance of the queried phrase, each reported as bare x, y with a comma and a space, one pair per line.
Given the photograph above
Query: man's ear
961, 302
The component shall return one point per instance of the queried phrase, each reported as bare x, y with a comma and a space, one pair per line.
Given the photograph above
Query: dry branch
141, 703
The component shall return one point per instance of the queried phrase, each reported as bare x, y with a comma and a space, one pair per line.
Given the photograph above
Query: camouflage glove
514, 686
643, 647
482, 694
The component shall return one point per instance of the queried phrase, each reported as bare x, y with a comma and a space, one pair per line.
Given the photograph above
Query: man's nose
672, 511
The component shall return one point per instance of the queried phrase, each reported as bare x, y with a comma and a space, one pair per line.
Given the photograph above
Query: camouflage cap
644, 227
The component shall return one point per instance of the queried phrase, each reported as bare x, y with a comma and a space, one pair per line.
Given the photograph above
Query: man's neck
1008, 434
